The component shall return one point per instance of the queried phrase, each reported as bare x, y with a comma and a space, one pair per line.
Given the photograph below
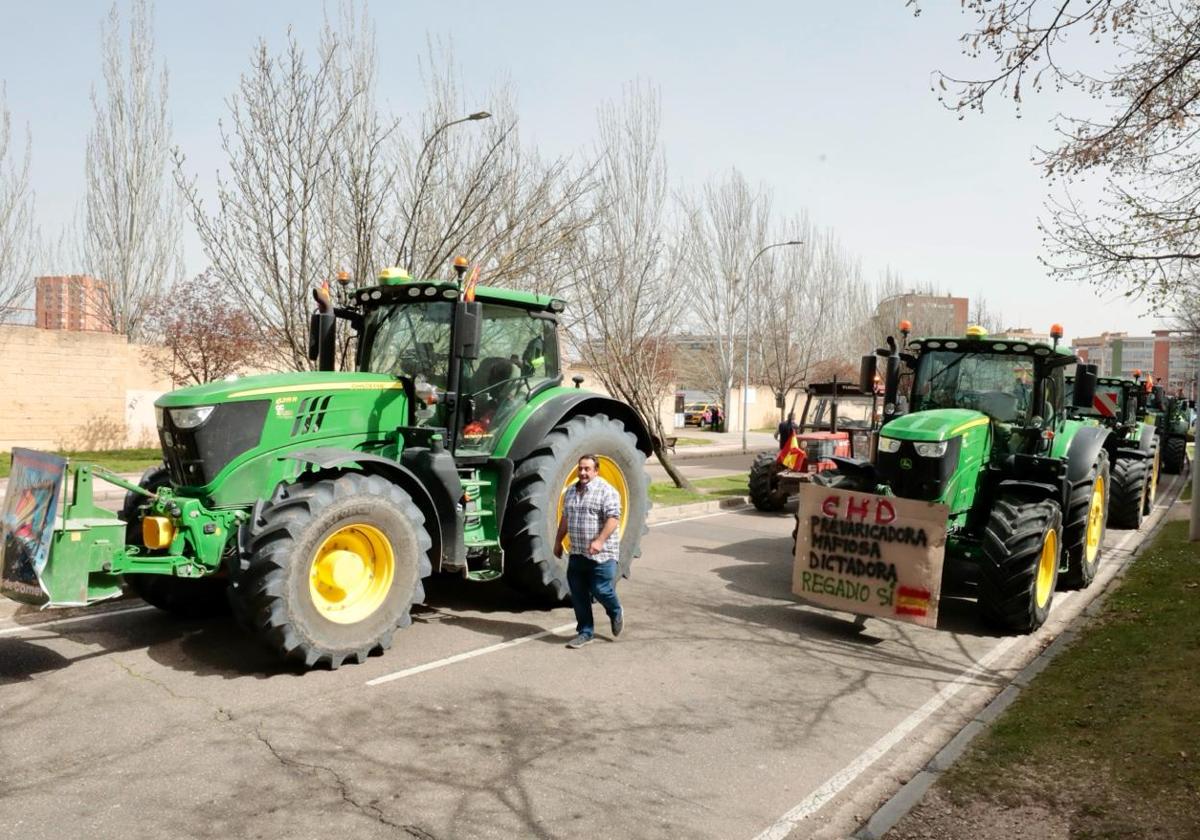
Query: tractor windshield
998, 384
409, 339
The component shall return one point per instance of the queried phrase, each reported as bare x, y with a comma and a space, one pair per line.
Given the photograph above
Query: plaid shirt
586, 514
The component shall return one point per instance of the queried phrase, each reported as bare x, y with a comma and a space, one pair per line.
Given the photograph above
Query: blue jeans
586, 578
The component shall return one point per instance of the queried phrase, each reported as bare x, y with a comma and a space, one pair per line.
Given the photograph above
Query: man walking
785, 431
591, 514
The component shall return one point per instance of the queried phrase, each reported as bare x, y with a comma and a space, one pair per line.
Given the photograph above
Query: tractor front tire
765, 491
187, 598
531, 519
1174, 453
334, 565
1129, 484
1021, 549
1086, 521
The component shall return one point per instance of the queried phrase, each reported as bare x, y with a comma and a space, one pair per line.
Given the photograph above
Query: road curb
896, 807
709, 452
660, 515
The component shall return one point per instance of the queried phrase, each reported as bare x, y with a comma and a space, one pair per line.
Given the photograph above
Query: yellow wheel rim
610, 472
352, 573
1047, 568
1095, 525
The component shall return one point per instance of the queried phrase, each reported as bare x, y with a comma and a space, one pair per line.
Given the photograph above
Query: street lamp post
746, 372
433, 135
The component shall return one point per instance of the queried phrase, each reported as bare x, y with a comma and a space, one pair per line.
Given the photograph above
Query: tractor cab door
518, 355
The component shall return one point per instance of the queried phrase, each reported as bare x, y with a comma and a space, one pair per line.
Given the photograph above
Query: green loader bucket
55, 553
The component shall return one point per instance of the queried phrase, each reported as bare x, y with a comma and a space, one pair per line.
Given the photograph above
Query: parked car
693, 413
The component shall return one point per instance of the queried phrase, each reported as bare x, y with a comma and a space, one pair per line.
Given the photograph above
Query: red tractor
838, 420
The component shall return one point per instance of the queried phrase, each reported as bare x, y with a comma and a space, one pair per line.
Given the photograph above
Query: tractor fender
1082, 452
430, 496
1032, 491
565, 406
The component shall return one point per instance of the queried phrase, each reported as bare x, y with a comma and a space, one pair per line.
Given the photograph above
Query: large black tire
1019, 568
765, 492
531, 519
1130, 477
186, 598
1174, 453
272, 592
1083, 557
1152, 476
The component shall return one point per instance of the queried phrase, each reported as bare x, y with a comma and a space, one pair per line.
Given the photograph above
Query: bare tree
805, 309
726, 227
203, 333
132, 218
983, 315
476, 190
275, 233
623, 266
1140, 154
18, 236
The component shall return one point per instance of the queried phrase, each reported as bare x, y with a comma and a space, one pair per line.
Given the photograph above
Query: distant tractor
1173, 419
1132, 447
838, 419
987, 434
316, 504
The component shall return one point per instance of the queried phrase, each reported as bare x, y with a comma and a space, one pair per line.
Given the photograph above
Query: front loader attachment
57, 552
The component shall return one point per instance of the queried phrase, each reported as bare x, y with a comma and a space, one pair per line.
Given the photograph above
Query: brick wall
75, 390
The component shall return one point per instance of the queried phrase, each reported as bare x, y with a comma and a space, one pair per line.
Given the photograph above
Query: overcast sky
827, 104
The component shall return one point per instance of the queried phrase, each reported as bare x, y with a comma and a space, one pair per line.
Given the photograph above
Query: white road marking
58, 622
471, 654
837, 783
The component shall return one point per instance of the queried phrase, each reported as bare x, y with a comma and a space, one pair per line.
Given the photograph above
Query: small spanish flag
791, 457
912, 601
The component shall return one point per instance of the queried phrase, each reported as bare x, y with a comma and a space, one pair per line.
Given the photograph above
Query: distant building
929, 314
1172, 358
1025, 334
71, 302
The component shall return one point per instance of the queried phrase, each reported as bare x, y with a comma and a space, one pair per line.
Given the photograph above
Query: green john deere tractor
1132, 447
985, 431
1172, 418
315, 503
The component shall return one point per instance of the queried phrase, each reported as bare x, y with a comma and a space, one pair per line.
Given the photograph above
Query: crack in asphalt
372, 811
219, 714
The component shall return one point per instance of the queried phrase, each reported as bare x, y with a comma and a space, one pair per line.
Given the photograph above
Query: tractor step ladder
484, 547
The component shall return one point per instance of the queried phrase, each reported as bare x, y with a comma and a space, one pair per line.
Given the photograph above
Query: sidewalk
723, 443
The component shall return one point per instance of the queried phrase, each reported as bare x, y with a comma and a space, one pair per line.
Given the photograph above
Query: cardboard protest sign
870, 555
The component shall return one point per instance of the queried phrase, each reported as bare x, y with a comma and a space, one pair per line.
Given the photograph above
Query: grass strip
117, 460
1107, 737
666, 494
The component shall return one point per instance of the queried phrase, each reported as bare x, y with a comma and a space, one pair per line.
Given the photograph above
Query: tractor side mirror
322, 339
1085, 386
469, 330
866, 374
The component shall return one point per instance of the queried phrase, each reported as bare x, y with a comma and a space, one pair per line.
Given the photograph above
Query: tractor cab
470, 358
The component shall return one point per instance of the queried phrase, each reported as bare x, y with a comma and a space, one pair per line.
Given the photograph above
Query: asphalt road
726, 710
705, 467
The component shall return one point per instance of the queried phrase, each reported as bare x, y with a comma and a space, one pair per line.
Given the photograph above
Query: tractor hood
271, 385
934, 425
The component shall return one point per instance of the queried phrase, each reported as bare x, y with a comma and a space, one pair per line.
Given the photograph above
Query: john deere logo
906, 463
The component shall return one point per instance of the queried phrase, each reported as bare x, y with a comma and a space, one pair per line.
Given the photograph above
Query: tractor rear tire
1130, 478
531, 519
1021, 549
317, 538
765, 492
1083, 533
1174, 453
187, 598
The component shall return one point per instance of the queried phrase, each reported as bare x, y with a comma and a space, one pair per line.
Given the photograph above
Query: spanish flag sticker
912, 601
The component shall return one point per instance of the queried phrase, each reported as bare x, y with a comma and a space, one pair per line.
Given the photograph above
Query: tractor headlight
158, 417
887, 444
932, 450
190, 418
